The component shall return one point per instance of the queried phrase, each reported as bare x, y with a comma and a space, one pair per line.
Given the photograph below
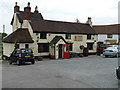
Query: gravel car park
85, 72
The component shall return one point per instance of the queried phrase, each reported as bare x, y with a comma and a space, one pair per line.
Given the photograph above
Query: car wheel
18, 62
106, 56
10, 62
33, 62
117, 55
117, 74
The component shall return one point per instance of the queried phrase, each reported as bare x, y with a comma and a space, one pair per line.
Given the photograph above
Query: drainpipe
54, 49
21, 25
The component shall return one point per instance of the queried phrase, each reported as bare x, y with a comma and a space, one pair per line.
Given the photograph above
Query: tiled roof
20, 36
107, 29
60, 27
56, 39
40, 25
33, 15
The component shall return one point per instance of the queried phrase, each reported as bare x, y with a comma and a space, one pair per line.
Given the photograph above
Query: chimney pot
28, 4
89, 17
16, 8
16, 3
36, 9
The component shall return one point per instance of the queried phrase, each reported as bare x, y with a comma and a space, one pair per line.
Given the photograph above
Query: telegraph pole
2, 39
3, 28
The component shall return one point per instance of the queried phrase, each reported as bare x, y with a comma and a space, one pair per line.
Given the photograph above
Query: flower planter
52, 57
39, 58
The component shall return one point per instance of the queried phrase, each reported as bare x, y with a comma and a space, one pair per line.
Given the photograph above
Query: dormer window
43, 35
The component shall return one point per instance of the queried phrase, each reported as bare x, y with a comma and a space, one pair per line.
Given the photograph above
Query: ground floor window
43, 47
70, 47
90, 46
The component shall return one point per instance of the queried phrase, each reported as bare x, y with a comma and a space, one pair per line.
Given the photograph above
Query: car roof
113, 45
23, 48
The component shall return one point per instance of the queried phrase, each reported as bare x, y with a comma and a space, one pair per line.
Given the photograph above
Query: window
36, 33
109, 35
43, 35
26, 51
90, 46
89, 36
43, 47
68, 36
17, 46
70, 48
26, 45
16, 51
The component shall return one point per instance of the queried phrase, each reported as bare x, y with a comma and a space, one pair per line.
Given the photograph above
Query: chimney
27, 11
36, 10
16, 8
89, 21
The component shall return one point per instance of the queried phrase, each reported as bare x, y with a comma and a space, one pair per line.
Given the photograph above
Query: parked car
22, 55
112, 50
118, 72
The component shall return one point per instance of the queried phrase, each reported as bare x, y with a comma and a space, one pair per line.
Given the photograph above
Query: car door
118, 50
14, 56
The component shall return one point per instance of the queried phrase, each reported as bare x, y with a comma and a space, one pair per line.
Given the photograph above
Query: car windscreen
111, 48
26, 51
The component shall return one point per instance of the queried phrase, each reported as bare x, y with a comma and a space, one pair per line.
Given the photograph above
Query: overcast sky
101, 11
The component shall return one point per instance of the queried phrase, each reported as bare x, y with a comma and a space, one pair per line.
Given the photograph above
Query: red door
66, 51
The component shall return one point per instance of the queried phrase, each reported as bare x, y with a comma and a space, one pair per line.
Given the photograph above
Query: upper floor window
68, 36
26, 45
89, 36
43, 35
109, 35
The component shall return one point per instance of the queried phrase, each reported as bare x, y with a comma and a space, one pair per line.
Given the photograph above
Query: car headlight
117, 68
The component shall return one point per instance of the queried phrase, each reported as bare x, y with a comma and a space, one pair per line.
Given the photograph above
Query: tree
4, 35
77, 20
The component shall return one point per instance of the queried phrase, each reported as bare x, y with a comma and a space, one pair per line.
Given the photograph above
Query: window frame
26, 45
89, 36
88, 46
67, 36
109, 35
43, 35
43, 47
70, 48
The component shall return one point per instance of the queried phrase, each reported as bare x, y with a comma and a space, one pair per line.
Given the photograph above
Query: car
118, 72
22, 55
112, 51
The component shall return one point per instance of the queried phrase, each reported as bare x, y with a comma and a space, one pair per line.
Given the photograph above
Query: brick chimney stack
36, 10
27, 11
16, 8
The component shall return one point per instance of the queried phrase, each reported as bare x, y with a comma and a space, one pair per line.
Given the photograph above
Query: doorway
60, 52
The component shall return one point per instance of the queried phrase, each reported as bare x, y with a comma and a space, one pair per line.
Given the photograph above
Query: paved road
87, 72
